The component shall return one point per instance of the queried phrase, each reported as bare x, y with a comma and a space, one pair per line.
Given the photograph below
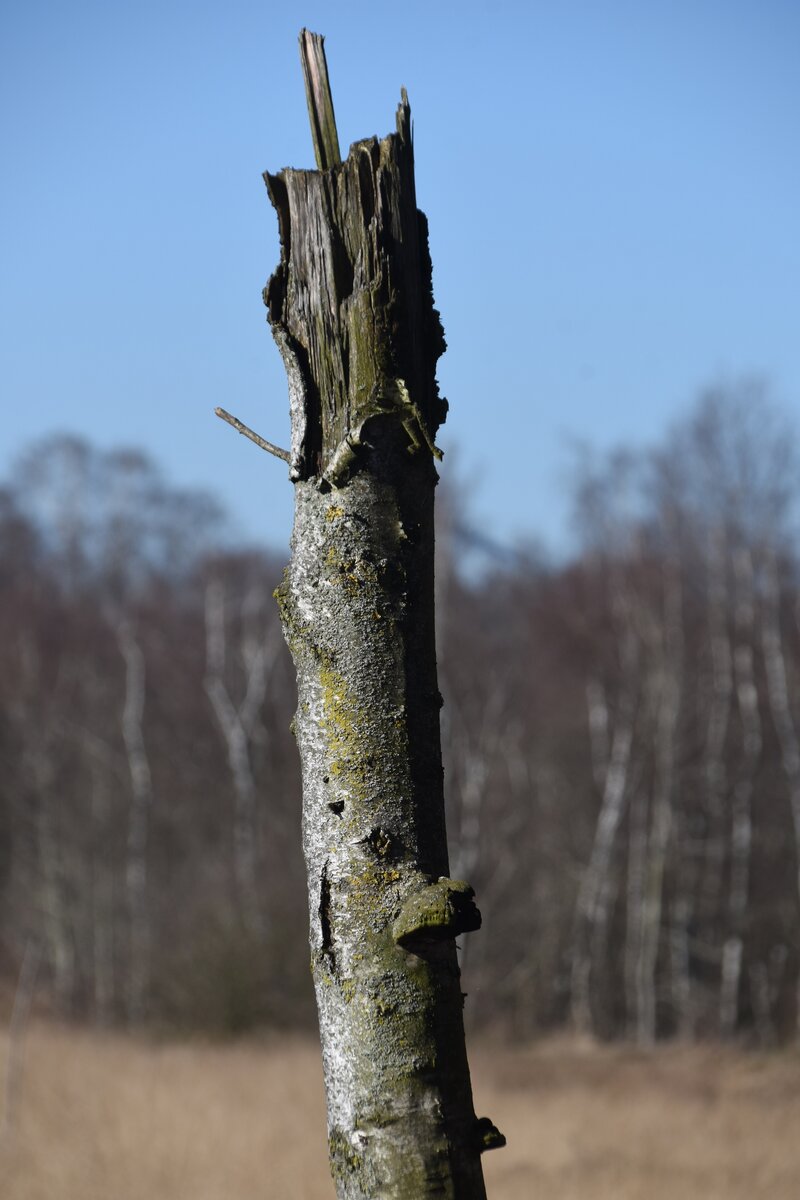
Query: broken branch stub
320, 102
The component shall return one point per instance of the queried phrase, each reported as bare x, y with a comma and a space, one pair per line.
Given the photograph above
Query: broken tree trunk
351, 309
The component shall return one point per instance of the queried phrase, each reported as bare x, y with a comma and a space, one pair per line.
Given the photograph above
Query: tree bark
352, 313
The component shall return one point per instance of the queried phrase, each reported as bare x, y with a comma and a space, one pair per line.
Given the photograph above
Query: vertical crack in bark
326, 930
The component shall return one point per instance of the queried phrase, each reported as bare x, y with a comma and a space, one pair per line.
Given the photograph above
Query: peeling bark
352, 313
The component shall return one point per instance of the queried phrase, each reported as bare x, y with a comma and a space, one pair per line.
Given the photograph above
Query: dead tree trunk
352, 312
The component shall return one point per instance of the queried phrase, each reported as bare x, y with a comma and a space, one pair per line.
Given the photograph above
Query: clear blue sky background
613, 191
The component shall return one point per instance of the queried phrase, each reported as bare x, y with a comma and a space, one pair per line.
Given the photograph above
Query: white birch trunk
635, 898
719, 710
668, 710
742, 809
138, 824
236, 723
595, 895
597, 710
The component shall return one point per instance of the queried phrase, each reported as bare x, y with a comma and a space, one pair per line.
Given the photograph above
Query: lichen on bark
352, 311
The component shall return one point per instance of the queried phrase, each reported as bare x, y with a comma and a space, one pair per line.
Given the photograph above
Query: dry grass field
105, 1118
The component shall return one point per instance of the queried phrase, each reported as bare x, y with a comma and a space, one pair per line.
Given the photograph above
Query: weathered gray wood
320, 103
352, 312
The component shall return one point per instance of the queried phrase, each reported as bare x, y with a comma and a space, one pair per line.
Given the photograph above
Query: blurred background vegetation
621, 737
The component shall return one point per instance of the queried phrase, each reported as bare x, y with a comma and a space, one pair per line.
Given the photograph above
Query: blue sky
612, 190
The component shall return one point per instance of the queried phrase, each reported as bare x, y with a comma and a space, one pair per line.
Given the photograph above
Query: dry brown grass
105, 1118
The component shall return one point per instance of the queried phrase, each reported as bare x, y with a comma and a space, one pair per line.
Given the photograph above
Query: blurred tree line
621, 738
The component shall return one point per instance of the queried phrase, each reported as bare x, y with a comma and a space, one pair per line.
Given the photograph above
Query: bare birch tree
719, 714
668, 683
595, 895
237, 723
743, 790
138, 823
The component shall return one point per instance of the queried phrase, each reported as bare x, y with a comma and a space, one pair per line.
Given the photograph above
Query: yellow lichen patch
344, 1160
334, 512
348, 760
349, 569
374, 876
